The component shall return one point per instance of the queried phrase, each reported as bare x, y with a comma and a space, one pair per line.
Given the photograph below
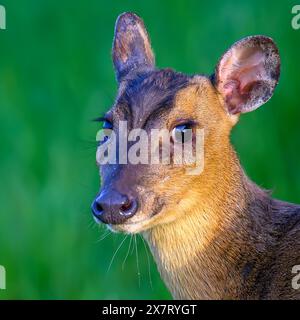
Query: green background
56, 75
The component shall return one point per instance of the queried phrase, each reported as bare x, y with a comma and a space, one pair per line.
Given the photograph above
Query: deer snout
113, 207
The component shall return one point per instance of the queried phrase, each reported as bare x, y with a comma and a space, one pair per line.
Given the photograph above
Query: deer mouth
144, 221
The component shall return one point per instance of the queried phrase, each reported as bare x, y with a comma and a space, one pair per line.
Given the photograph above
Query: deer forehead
164, 96
199, 98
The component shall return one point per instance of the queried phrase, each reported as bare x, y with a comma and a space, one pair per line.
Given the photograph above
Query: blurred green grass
56, 75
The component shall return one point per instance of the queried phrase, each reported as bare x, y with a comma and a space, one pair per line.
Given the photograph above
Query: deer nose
113, 207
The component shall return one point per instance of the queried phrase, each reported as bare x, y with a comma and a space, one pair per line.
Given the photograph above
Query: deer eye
105, 133
182, 133
107, 129
107, 125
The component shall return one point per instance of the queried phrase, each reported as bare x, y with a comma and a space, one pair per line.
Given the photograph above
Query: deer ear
131, 47
247, 74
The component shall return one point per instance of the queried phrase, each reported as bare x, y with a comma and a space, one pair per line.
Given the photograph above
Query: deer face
140, 194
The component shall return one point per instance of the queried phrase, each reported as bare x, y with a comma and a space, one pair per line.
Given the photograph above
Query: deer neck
209, 252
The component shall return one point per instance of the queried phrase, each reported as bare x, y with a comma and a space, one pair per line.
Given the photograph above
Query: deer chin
130, 228
133, 226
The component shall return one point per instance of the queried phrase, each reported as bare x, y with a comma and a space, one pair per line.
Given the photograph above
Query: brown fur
226, 242
216, 235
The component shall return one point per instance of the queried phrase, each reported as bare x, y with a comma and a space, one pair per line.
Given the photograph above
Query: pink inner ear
240, 70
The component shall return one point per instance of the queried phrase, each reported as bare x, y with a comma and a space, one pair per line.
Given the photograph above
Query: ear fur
131, 46
247, 74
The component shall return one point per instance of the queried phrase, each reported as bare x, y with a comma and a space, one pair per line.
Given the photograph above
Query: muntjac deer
214, 235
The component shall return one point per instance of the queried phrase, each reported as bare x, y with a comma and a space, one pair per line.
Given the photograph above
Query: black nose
113, 207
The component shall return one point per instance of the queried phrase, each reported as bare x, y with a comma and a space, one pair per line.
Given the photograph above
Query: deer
216, 235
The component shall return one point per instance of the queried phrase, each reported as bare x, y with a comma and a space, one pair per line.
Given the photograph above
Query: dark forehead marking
147, 92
